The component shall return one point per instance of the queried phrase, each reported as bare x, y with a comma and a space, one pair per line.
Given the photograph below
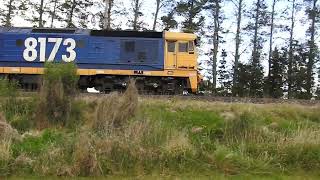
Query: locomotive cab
180, 51
181, 56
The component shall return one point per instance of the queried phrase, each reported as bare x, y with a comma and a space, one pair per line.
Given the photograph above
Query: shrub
57, 93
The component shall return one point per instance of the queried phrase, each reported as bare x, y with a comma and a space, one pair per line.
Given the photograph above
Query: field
56, 133
124, 136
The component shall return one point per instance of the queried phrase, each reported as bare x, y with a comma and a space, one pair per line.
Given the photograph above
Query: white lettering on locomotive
30, 53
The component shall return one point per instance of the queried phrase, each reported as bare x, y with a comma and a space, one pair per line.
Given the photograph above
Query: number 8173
30, 53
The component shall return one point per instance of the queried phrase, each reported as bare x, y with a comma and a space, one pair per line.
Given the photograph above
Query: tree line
292, 67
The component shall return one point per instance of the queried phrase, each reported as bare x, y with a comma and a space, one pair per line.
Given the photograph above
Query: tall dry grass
116, 110
56, 94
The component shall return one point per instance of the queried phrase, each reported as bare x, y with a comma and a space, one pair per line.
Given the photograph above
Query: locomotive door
171, 62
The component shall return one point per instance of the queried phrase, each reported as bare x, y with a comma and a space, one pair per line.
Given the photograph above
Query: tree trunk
8, 16
136, 14
255, 57
312, 49
215, 45
41, 14
290, 59
107, 20
53, 13
73, 6
271, 40
237, 53
156, 15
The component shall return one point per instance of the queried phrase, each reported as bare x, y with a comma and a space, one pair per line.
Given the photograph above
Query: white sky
228, 8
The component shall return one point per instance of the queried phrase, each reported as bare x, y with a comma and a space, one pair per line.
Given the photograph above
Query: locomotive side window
129, 46
183, 47
171, 46
191, 46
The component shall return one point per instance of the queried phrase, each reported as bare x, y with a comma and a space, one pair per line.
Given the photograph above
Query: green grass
173, 139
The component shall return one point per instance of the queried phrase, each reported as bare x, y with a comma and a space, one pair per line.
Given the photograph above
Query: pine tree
136, 8
239, 5
191, 11
293, 10
75, 12
259, 16
214, 7
299, 72
272, 26
110, 10
224, 76
10, 9
243, 85
275, 81
107, 14
53, 11
160, 4
39, 10
313, 13
169, 21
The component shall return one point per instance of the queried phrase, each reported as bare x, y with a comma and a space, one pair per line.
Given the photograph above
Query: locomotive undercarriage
144, 84
110, 83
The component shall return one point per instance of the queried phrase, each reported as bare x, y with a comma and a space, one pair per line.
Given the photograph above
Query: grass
171, 138
121, 136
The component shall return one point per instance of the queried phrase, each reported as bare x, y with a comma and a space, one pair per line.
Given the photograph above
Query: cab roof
179, 36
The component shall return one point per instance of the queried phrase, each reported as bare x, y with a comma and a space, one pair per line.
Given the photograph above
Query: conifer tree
160, 4
136, 8
313, 13
259, 16
243, 85
169, 21
239, 6
107, 14
271, 34
39, 10
214, 7
299, 72
191, 11
293, 10
53, 11
224, 76
10, 9
275, 82
75, 13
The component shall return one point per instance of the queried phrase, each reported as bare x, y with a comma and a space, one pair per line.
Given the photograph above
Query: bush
57, 93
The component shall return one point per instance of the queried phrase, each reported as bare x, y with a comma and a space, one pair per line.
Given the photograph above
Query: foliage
57, 93
75, 13
191, 11
275, 81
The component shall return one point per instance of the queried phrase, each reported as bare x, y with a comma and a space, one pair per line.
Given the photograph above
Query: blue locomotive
161, 62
